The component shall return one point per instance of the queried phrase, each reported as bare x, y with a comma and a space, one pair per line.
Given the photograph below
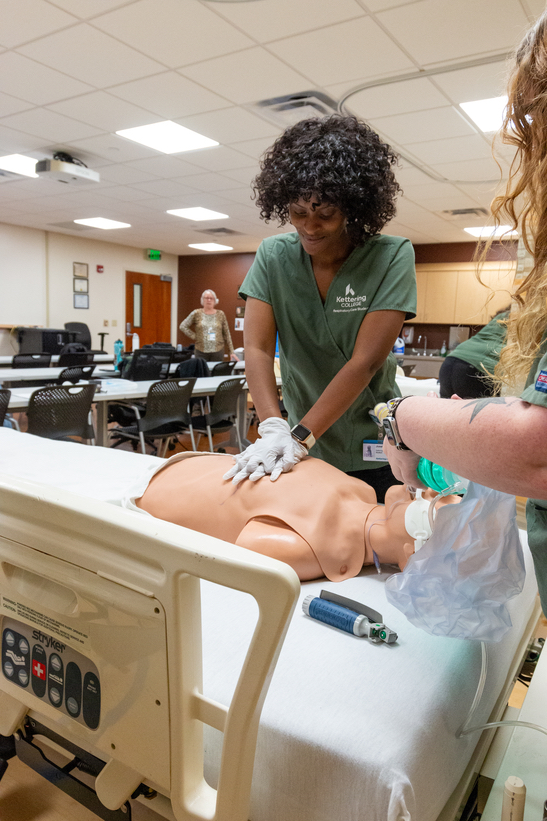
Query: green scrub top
483, 350
535, 392
316, 339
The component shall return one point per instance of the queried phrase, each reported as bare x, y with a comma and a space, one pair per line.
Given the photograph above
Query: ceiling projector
70, 173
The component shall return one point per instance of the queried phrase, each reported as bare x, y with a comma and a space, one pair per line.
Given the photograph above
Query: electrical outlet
105, 323
114, 323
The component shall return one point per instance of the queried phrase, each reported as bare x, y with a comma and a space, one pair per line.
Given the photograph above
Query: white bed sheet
349, 729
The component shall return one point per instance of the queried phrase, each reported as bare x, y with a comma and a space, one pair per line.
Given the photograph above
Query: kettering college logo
349, 302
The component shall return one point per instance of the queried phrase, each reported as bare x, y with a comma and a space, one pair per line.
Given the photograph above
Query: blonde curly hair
523, 205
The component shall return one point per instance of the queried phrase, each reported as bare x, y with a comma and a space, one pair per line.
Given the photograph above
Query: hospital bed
349, 729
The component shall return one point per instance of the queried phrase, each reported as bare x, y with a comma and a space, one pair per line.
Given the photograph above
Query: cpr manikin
318, 520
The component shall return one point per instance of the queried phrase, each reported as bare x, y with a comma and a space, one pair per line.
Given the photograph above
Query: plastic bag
458, 583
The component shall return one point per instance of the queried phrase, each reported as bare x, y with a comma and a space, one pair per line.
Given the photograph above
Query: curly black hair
339, 159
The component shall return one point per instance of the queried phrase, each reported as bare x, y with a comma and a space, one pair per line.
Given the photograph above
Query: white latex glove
275, 453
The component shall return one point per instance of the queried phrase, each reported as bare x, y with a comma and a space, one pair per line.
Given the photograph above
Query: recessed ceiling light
211, 246
101, 222
19, 164
197, 214
168, 137
487, 114
488, 231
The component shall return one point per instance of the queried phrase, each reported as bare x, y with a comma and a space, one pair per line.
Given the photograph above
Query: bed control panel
53, 671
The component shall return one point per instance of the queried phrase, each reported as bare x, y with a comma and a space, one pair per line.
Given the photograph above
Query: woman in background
208, 327
501, 441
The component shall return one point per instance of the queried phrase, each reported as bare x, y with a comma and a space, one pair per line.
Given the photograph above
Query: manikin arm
273, 538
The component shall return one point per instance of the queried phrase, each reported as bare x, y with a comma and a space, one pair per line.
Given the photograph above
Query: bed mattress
350, 729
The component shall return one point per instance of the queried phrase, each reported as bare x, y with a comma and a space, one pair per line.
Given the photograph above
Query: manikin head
399, 528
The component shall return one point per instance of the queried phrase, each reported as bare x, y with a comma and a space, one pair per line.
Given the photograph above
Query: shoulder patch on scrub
541, 382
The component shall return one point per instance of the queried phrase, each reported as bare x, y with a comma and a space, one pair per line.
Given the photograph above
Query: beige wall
36, 285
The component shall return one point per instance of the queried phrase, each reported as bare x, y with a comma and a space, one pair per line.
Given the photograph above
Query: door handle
128, 329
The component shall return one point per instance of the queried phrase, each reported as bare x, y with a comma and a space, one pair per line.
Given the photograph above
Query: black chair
61, 412
223, 369
143, 365
166, 416
75, 373
31, 360
4, 402
80, 333
4, 415
72, 359
192, 367
223, 413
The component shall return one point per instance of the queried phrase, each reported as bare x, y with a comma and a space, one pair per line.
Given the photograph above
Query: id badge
211, 335
373, 450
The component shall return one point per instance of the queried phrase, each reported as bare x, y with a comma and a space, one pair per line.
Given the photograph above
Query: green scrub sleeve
398, 291
256, 283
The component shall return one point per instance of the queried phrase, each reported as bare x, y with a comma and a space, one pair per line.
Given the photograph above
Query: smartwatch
389, 424
303, 435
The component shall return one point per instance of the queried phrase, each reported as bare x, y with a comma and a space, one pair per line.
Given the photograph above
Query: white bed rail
121, 593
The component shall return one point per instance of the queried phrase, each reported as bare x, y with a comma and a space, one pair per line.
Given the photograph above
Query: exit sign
152, 253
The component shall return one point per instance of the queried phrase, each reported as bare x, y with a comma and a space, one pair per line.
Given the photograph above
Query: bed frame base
35, 758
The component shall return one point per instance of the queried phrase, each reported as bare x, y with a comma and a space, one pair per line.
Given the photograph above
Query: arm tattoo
480, 404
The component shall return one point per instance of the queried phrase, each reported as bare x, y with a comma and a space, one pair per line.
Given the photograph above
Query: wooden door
147, 308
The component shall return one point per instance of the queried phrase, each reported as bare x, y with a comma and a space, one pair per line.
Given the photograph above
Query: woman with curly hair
501, 442
336, 292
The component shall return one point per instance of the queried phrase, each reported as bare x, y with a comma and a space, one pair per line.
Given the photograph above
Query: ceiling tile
228, 125
125, 175
477, 83
247, 76
49, 125
239, 195
256, 148
473, 147
470, 171
168, 167
114, 148
34, 18
16, 142
473, 27
436, 123
394, 98
354, 50
209, 182
88, 8
273, 19
127, 194
11, 105
164, 188
31, 81
221, 158
169, 95
90, 55
104, 111
382, 5
244, 176
173, 31
537, 7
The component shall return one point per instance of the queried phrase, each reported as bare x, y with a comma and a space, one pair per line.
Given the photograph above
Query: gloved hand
275, 452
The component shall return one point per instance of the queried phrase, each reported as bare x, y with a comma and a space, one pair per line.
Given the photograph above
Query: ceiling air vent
460, 213
290, 109
221, 232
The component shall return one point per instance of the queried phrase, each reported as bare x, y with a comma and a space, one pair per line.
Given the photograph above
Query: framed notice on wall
81, 285
81, 300
80, 269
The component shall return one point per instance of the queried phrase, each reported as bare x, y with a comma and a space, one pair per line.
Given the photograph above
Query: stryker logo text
48, 641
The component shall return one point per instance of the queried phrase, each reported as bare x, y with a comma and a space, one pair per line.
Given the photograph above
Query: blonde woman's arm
186, 326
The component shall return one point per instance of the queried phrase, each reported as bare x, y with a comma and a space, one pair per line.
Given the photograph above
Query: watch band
390, 425
303, 435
